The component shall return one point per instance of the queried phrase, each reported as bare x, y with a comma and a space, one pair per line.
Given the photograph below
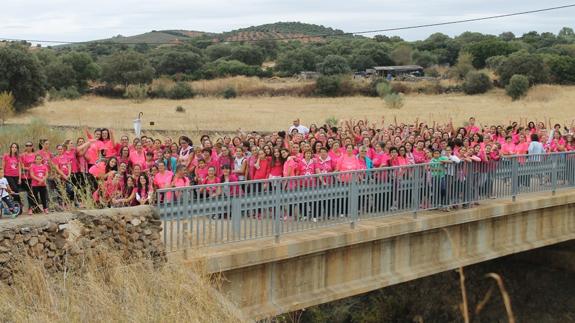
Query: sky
79, 20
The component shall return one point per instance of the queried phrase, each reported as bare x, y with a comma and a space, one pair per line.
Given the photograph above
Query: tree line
30, 72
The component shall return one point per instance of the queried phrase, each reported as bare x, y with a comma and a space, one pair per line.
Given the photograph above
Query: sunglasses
28, 145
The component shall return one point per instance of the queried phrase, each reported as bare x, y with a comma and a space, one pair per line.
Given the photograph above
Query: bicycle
5, 210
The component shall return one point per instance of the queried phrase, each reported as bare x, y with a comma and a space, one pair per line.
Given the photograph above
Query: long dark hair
110, 168
139, 186
10, 150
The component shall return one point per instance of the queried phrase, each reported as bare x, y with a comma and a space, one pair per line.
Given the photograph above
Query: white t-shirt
3, 187
300, 129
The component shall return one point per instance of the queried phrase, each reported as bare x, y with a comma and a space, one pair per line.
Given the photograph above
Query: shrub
332, 121
6, 105
464, 65
333, 65
476, 83
230, 93
181, 90
136, 93
328, 85
160, 88
432, 72
494, 62
383, 88
68, 93
394, 101
529, 65
517, 87
180, 109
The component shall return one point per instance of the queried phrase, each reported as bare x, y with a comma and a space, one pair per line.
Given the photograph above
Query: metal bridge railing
228, 212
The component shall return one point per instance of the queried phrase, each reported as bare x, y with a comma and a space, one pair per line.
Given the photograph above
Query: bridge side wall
293, 283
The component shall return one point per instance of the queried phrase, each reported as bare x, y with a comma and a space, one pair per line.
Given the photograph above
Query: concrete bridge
266, 277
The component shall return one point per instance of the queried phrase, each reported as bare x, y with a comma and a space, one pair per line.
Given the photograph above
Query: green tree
482, 50
517, 87
60, 75
328, 85
561, 68
295, 61
127, 67
476, 83
22, 75
218, 51
494, 62
174, 62
566, 35
84, 68
529, 65
464, 65
424, 58
333, 64
402, 55
247, 54
507, 36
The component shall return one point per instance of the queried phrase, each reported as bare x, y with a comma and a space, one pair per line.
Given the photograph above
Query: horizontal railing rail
228, 212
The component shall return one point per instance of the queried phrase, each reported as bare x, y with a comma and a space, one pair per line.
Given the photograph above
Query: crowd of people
124, 171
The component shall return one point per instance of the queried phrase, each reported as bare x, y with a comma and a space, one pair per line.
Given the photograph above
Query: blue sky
86, 20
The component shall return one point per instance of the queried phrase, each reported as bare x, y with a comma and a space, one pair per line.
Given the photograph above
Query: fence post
236, 217
514, 178
277, 187
415, 190
353, 200
554, 170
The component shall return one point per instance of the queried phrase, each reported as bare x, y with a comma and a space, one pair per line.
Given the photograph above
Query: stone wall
62, 240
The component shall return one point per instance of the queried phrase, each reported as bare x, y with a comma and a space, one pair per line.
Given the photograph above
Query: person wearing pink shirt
13, 169
201, 171
210, 191
380, 157
39, 175
276, 164
138, 156
62, 163
163, 179
508, 148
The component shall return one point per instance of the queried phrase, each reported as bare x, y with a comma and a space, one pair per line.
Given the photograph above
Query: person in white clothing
300, 128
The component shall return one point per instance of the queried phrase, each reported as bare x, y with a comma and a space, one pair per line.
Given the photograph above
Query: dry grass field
273, 113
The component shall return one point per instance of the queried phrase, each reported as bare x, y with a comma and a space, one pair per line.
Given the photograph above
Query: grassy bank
106, 290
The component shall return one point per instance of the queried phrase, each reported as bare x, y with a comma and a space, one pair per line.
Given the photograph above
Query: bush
68, 93
230, 93
333, 65
180, 109
382, 89
160, 88
529, 65
137, 93
6, 105
476, 83
181, 90
328, 85
394, 101
332, 121
494, 62
517, 87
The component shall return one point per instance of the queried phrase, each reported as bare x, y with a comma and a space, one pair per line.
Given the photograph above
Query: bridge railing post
514, 178
353, 207
236, 218
277, 187
554, 170
416, 185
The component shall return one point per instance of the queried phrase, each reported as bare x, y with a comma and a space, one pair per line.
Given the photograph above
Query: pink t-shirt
138, 158
380, 159
348, 163
63, 163
163, 180
46, 156
93, 152
39, 171
27, 160
10, 165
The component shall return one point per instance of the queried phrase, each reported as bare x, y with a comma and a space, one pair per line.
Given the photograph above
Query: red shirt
263, 171
39, 171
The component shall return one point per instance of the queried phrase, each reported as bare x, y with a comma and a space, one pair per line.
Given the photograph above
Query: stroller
5, 208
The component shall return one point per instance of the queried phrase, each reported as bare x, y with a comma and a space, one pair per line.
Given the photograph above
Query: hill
279, 30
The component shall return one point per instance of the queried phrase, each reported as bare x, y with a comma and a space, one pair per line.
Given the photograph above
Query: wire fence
228, 212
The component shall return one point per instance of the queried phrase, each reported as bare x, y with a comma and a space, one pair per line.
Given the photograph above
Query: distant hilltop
280, 30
